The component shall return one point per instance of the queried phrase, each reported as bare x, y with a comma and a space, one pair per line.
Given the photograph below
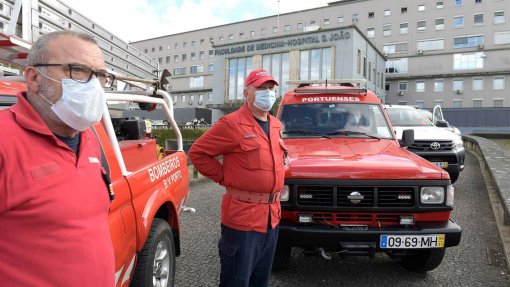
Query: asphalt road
477, 261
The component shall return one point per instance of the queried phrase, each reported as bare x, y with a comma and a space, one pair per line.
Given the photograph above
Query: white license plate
412, 241
441, 164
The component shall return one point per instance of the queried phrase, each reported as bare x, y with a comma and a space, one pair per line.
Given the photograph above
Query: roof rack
342, 82
361, 91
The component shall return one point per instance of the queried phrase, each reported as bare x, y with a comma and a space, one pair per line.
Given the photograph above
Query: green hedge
187, 134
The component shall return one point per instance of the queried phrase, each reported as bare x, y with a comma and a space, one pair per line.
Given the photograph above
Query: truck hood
352, 158
428, 133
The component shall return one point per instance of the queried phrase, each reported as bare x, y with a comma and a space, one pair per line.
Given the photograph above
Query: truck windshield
334, 120
408, 117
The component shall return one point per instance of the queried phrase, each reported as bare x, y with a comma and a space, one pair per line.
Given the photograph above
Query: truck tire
156, 261
423, 260
281, 257
454, 176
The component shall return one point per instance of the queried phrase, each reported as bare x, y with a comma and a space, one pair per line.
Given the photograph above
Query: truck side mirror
407, 138
441, 124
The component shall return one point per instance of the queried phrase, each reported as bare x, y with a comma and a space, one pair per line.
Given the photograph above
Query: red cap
259, 77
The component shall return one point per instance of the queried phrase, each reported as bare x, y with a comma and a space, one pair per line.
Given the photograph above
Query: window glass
404, 28
499, 17
468, 61
438, 85
439, 24
458, 21
499, 83
238, 69
420, 86
477, 84
469, 41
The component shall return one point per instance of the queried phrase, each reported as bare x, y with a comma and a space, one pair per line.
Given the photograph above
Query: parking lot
477, 261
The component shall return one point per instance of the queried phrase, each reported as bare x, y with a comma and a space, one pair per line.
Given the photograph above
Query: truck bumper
310, 236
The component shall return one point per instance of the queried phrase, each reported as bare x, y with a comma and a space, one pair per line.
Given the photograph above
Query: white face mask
81, 104
264, 99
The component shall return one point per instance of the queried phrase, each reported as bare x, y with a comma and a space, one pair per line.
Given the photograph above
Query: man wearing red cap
252, 172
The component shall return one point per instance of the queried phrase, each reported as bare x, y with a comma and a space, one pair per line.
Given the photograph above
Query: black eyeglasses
83, 74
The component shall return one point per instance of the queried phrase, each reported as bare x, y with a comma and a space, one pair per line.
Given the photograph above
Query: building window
222, 38
501, 38
420, 104
477, 103
176, 45
175, 99
458, 21
180, 71
326, 22
231, 37
469, 41
477, 84
167, 60
340, 19
312, 22
209, 97
160, 60
478, 1
499, 17
355, 18
184, 57
358, 62
439, 24
278, 66
458, 85
210, 68
146, 51
403, 10
371, 14
439, 4
404, 28
457, 104
275, 30
184, 44
421, 7
387, 12
211, 53
238, 69
191, 98
396, 66
202, 41
315, 64
192, 56
428, 45
193, 43
438, 85
498, 83
300, 26
395, 48
183, 98
241, 34
370, 32
420, 86
498, 103
468, 61
402, 103
196, 69
386, 30
438, 103
478, 19
458, 3
252, 33
200, 98
201, 55
287, 28
196, 82
176, 58
421, 25
402, 86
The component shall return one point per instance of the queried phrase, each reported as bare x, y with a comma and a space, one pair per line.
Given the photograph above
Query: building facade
452, 53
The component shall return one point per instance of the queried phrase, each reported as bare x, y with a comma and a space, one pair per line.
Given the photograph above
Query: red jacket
53, 206
251, 162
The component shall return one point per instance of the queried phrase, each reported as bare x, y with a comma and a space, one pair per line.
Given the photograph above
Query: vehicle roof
11, 88
400, 107
330, 93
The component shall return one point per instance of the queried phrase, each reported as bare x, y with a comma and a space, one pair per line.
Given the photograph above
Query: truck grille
356, 218
341, 196
425, 145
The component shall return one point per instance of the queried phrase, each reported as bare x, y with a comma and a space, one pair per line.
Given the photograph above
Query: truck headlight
284, 193
432, 195
450, 195
458, 143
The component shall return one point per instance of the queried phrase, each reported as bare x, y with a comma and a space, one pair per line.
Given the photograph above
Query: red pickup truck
150, 187
352, 189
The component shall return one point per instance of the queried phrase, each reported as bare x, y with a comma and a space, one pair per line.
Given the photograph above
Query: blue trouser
246, 257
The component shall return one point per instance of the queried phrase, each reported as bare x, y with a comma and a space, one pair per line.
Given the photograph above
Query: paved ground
477, 261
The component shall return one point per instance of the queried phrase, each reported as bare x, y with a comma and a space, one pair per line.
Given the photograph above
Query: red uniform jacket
53, 206
251, 162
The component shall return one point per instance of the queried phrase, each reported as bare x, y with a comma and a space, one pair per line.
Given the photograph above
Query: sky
134, 20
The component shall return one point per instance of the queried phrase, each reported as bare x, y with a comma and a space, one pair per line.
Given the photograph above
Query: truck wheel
156, 261
454, 176
281, 257
423, 260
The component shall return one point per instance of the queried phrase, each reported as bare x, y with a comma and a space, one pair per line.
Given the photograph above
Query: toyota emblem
435, 146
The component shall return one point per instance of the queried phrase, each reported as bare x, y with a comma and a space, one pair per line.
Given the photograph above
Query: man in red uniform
252, 172
53, 200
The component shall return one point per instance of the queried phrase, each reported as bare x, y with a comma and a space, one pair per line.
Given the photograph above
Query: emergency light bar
351, 82
362, 91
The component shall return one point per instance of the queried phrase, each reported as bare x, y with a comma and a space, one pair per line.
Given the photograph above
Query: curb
495, 166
